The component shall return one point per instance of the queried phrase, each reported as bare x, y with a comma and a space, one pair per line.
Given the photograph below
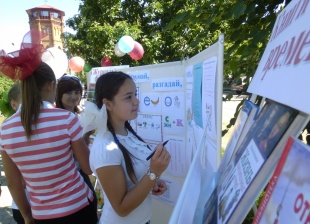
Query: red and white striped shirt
46, 161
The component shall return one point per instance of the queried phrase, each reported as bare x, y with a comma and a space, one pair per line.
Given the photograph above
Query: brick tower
50, 21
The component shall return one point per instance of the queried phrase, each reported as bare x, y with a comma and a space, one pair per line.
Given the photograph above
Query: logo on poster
179, 123
177, 102
167, 124
168, 101
147, 101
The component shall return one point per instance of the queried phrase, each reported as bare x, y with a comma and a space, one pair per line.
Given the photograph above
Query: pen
152, 154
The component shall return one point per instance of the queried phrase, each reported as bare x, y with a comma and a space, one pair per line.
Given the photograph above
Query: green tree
101, 24
5, 85
173, 30
247, 26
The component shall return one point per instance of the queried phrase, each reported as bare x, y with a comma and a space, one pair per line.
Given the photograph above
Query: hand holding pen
152, 154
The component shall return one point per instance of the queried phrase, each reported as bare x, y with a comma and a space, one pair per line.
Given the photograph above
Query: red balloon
76, 64
106, 61
137, 52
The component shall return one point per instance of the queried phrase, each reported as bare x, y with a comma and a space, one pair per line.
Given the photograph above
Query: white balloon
57, 60
126, 44
117, 51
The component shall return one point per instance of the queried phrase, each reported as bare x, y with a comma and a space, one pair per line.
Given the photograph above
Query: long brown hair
65, 85
31, 88
107, 86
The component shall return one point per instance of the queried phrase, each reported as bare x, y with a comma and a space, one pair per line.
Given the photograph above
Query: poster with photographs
250, 156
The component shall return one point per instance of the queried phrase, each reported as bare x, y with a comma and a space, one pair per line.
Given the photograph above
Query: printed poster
283, 71
238, 181
140, 76
150, 103
173, 108
191, 145
262, 138
176, 148
149, 127
287, 196
189, 74
197, 98
168, 84
208, 96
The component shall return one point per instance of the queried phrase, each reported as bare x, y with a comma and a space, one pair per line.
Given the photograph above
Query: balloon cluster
127, 45
77, 64
56, 59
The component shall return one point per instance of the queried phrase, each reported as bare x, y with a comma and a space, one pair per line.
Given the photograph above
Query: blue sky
14, 19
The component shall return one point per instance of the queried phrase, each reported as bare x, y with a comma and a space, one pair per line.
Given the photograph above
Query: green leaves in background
5, 107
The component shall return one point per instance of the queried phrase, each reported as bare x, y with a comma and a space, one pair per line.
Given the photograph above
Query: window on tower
44, 15
47, 30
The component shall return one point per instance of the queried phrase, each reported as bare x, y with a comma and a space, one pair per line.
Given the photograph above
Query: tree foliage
171, 30
5, 85
101, 24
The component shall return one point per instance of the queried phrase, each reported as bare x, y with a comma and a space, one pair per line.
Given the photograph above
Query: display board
287, 194
202, 169
283, 72
94, 74
284, 64
178, 101
227, 197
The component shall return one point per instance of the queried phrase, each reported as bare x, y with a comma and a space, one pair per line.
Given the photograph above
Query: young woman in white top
118, 155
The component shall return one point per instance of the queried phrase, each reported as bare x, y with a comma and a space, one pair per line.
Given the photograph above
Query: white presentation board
201, 171
283, 71
178, 101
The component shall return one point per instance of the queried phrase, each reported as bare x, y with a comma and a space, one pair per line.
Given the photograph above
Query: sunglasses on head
68, 77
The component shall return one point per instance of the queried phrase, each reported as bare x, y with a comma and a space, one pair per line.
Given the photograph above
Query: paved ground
228, 111
6, 216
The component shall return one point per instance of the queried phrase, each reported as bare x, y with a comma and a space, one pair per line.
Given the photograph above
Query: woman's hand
160, 160
159, 188
87, 135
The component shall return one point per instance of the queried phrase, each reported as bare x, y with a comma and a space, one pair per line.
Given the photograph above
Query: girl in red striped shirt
38, 143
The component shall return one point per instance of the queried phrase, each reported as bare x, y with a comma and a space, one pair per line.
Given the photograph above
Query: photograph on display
267, 130
288, 193
244, 121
